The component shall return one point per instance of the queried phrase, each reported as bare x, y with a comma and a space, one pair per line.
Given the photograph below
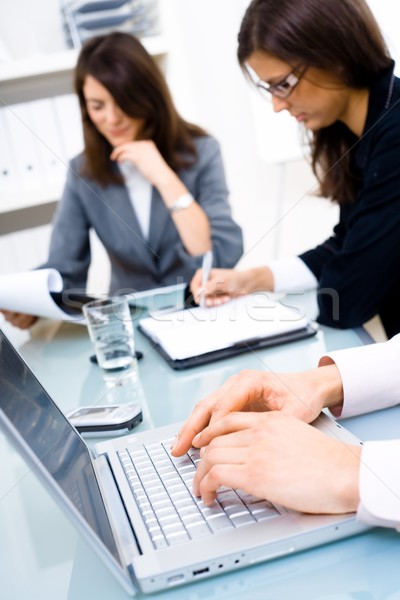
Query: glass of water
110, 328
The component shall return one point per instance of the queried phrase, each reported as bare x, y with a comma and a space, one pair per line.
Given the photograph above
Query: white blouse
140, 192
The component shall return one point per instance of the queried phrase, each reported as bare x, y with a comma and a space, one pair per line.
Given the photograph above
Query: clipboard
194, 337
71, 303
231, 351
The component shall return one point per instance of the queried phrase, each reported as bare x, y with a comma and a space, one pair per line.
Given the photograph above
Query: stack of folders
196, 336
38, 140
84, 19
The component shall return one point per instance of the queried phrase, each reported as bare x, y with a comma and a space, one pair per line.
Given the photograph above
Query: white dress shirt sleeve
370, 376
371, 381
292, 275
380, 484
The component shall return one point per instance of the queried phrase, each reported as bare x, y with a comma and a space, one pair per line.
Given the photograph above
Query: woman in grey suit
150, 184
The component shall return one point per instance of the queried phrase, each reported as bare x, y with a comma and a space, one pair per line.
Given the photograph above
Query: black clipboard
231, 351
71, 302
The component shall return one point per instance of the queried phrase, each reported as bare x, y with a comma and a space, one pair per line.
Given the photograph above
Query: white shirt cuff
292, 275
380, 484
370, 376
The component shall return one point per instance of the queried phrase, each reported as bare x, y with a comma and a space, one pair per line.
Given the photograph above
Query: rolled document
30, 292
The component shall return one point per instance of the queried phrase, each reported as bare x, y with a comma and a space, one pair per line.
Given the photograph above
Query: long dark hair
123, 66
338, 36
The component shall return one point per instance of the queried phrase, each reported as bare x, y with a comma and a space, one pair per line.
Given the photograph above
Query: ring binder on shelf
86, 18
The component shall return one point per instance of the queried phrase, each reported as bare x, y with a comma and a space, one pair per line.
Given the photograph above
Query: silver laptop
134, 503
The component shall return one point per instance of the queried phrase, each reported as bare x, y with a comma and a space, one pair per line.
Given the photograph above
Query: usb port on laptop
201, 571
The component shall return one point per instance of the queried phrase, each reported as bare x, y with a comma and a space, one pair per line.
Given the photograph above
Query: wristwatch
182, 202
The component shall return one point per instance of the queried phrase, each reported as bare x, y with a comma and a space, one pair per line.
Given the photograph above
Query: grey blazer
136, 263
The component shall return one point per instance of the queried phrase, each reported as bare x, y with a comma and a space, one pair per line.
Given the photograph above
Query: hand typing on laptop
252, 440
280, 458
302, 395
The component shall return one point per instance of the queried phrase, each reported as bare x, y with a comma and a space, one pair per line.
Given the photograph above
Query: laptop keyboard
162, 487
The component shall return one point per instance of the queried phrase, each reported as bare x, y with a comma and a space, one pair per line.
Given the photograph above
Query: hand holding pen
218, 286
205, 273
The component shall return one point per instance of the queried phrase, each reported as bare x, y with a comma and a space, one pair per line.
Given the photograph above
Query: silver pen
206, 269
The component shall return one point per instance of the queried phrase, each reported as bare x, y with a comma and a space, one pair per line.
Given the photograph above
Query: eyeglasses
282, 89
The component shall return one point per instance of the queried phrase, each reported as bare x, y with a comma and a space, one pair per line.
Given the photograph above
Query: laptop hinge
124, 535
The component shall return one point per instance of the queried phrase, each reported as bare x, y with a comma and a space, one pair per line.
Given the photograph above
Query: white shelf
51, 74
37, 66
26, 197
47, 64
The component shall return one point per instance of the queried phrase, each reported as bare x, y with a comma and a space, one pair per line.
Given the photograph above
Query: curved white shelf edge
58, 62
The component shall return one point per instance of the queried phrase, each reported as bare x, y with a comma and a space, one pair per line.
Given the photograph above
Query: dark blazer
358, 268
137, 264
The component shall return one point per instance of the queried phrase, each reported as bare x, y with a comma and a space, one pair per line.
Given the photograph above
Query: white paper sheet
29, 293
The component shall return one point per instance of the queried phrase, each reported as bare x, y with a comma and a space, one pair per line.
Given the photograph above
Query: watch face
182, 202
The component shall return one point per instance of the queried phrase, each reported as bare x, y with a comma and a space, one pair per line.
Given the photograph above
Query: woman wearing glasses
327, 64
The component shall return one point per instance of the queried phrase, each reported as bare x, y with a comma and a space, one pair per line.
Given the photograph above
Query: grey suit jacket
136, 263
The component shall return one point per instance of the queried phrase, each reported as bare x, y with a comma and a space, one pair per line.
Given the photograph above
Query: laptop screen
52, 439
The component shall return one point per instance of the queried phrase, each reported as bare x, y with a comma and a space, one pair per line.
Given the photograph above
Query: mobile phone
116, 419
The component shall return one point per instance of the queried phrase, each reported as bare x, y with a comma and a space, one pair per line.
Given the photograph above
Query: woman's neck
357, 109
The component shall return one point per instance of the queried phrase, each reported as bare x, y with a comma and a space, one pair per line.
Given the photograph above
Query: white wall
209, 88
31, 27
387, 13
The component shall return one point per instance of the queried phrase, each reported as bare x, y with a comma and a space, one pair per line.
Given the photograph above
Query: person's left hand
277, 457
302, 395
18, 319
146, 157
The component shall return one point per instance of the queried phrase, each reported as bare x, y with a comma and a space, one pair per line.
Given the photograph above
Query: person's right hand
279, 458
222, 285
146, 157
301, 395
20, 320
